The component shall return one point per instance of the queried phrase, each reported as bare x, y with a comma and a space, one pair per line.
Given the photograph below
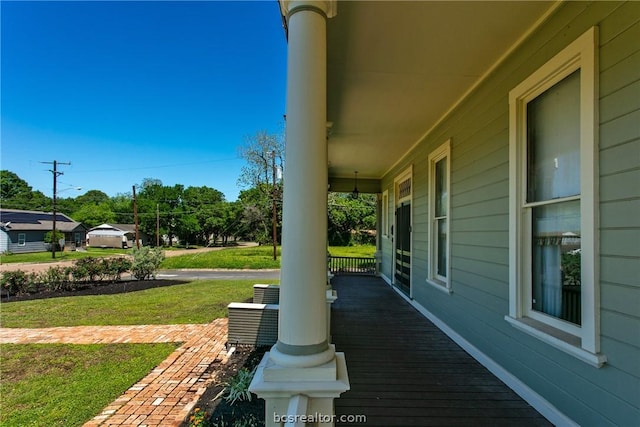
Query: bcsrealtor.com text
319, 418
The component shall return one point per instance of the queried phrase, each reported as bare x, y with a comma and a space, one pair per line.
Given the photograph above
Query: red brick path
165, 396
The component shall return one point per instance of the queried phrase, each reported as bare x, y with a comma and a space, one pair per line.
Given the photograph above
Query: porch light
355, 193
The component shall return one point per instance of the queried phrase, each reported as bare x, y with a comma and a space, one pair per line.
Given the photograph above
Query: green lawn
255, 258
60, 256
67, 385
199, 301
365, 251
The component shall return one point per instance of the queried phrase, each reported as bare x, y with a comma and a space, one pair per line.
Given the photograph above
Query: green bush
56, 279
114, 267
48, 239
90, 268
18, 282
146, 261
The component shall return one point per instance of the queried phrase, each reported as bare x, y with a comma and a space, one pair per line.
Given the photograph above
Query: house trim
398, 199
575, 340
443, 283
539, 403
385, 214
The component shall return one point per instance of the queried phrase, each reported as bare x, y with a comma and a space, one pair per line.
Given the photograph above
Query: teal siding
479, 130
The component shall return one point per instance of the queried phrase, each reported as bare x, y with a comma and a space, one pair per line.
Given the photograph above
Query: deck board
404, 371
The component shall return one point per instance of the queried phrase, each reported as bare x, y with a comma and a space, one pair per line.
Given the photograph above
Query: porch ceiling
396, 68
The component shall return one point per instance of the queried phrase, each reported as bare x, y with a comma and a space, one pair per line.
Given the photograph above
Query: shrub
114, 267
79, 272
146, 261
48, 238
56, 279
91, 267
18, 282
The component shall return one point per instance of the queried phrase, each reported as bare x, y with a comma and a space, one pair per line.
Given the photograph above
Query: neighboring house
114, 236
503, 139
24, 231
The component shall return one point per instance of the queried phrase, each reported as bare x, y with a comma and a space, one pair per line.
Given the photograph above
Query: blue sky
132, 90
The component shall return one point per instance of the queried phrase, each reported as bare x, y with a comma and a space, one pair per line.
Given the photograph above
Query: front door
403, 247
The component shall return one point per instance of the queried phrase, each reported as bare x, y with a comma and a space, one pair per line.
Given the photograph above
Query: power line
154, 167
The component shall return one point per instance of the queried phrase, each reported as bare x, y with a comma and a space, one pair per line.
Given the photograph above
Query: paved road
192, 274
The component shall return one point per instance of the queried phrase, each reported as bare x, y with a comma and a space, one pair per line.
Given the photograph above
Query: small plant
198, 418
238, 386
146, 261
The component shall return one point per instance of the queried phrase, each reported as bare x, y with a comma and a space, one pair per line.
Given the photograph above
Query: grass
199, 301
254, 258
67, 385
365, 251
60, 256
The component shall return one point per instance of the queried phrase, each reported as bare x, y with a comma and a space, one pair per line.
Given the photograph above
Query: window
553, 190
439, 178
22, 239
385, 213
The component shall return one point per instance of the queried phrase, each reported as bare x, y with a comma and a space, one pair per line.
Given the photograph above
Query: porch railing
352, 265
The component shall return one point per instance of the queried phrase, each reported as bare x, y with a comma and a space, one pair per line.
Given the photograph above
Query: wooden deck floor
406, 372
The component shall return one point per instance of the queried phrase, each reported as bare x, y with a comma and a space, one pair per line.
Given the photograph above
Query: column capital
328, 8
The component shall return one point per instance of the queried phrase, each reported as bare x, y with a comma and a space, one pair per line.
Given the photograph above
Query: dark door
403, 247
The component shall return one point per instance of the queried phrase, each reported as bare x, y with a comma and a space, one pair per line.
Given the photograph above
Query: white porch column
302, 362
302, 339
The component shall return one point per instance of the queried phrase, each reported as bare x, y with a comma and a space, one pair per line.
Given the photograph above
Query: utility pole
55, 172
157, 225
135, 216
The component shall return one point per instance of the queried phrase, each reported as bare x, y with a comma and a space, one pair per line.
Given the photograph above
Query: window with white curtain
553, 265
439, 211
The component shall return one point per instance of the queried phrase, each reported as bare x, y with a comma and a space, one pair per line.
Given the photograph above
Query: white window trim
440, 282
24, 239
385, 214
582, 341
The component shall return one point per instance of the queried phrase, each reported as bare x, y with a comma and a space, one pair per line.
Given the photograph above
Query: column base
285, 387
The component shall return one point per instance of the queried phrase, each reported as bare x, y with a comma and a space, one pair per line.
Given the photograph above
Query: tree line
201, 215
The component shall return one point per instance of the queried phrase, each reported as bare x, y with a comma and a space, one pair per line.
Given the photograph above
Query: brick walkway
165, 396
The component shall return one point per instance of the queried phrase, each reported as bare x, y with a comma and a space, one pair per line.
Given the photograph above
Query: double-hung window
439, 211
553, 195
22, 239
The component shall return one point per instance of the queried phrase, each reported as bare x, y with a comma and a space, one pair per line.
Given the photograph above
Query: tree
16, 193
260, 151
206, 205
349, 218
165, 200
256, 215
264, 154
93, 197
122, 207
94, 214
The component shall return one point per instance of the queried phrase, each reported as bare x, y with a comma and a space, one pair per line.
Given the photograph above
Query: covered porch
404, 371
